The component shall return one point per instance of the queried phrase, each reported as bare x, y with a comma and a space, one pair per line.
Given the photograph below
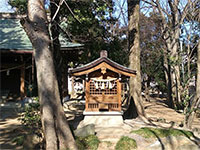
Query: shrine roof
102, 62
13, 38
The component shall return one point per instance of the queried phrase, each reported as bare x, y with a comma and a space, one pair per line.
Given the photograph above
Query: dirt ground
158, 111
10, 126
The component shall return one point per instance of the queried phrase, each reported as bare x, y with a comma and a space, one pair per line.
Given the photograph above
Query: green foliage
90, 142
118, 51
126, 143
20, 5
152, 65
155, 132
186, 100
94, 30
152, 54
31, 118
108, 143
198, 113
19, 140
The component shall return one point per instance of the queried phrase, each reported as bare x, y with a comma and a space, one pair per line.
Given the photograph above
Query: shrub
31, 118
90, 142
126, 143
19, 140
155, 132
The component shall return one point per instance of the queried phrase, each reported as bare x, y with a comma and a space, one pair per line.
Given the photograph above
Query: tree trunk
167, 72
172, 18
58, 59
196, 101
174, 45
55, 127
134, 57
147, 88
176, 79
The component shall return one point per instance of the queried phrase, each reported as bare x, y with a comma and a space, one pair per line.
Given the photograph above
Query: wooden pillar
22, 82
33, 70
119, 89
72, 85
87, 94
83, 85
66, 77
65, 80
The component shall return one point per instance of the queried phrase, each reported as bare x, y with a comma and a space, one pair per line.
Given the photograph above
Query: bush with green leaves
126, 143
157, 132
19, 140
31, 118
90, 142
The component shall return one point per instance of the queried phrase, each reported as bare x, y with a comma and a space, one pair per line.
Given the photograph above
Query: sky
121, 11
4, 6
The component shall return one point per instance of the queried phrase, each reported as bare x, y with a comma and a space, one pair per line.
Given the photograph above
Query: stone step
113, 129
112, 140
105, 145
113, 135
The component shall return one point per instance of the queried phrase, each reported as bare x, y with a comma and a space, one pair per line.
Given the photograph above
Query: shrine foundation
113, 118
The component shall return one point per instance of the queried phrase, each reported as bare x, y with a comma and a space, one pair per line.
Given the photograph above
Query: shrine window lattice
99, 87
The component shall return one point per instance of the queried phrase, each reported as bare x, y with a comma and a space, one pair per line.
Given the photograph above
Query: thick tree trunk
134, 57
174, 45
173, 76
196, 102
172, 67
176, 79
167, 72
147, 88
172, 70
58, 59
55, 127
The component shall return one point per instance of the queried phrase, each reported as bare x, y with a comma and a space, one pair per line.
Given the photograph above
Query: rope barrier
12, 68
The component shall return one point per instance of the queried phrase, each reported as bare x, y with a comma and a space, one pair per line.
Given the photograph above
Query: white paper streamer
104, 83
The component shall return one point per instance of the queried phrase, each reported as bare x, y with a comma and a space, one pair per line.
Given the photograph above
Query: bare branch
191, 52
150, 3
54, 3
122, 12
161, 12
71, 11
184, 13
66, 33
60, 3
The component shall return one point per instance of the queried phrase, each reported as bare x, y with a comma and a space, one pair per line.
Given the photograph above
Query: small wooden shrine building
103, 84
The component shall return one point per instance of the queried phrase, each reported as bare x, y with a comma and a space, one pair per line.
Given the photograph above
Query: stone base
103, 118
